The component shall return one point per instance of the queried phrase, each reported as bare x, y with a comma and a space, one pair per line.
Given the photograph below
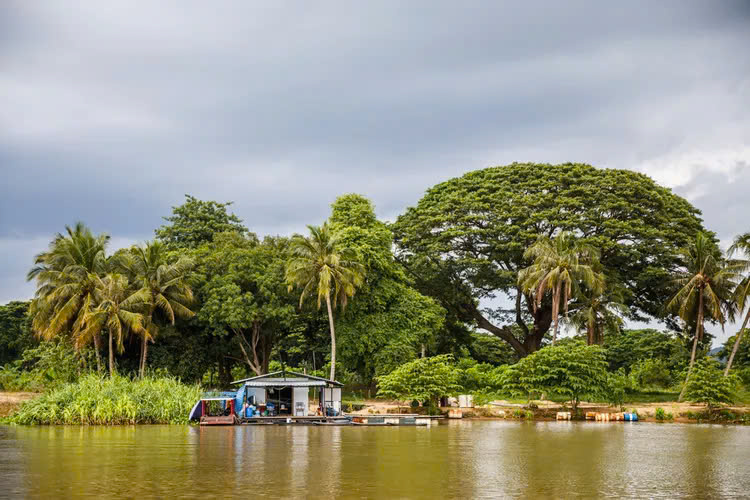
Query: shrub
96, 399
661, 415
707, 384
616, 384
571, 369
424, 379
650, 373
48, 365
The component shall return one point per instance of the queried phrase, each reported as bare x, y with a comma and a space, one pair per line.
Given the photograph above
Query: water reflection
480, 459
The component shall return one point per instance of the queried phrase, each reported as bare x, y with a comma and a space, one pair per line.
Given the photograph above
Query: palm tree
705, 284
66, 279
163, 287
110, 314
322, 266
560, 266
741, 293
597, 313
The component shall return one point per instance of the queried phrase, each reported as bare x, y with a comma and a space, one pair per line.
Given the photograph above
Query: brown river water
458, 459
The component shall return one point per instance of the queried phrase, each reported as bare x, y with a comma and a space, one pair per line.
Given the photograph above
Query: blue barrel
631, 417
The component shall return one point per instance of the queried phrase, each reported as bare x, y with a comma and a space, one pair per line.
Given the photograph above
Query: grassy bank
111, 401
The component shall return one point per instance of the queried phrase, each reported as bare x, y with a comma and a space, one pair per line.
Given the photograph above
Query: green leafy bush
662, 415
707, 384
651, 373
424, 379
110, 401
48, 365
571, 369
616, 384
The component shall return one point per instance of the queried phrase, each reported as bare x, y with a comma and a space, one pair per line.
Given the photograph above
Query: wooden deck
223, 420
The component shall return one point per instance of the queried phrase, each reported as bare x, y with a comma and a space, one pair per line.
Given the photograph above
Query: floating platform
222, 420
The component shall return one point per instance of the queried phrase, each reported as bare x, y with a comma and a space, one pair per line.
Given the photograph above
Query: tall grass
99, 400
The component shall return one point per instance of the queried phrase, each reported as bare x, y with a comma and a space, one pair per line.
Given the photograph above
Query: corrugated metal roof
283, 374
280, 382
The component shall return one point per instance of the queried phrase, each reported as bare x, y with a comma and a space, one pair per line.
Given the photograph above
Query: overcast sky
111, 111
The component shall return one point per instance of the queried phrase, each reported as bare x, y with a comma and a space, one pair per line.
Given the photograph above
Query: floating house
285, 393
273, 397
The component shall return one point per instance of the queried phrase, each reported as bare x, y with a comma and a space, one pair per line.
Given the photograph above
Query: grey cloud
111, 111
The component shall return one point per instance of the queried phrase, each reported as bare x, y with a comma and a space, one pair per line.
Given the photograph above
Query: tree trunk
111, 356
333, 338
423, 350
736, 343
144, 345
145, 357
556, 311
698, 329
97, 350
504, 333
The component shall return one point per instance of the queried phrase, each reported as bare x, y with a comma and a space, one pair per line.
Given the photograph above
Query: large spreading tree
465, 240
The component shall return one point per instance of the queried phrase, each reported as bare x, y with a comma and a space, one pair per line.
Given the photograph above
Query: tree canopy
196, 222
465, 240
389, 322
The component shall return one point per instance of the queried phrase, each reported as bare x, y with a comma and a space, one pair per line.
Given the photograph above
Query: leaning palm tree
704, 287
741, 293
561, 267
321, 265
110, 314
162, 287
66, 279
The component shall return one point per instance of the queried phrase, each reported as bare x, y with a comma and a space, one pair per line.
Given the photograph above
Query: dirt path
9, 401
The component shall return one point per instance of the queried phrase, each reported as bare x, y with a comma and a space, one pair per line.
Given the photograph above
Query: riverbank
672, 411
101, 400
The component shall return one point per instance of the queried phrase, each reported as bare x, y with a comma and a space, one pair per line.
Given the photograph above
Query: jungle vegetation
478, 288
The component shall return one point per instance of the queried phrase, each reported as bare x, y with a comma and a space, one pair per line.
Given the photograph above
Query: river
468, 459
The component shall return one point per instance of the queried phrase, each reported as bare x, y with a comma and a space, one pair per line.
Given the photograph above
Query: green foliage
631, 346
742, 357
477, 378
162, 293
707, 384
424, 379
561, 268
466, 237
243, 295
570, 369
324, 267
15, 330
662, 415
616, 384
196, 222
48, 365
486, 348
389, 322
66, 276
112, 401
651, 373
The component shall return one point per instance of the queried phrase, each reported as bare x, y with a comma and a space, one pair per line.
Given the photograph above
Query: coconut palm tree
704, 287
597, 313
110, 314
320, 265
741, 293
561, 267
66, 277
162, 286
